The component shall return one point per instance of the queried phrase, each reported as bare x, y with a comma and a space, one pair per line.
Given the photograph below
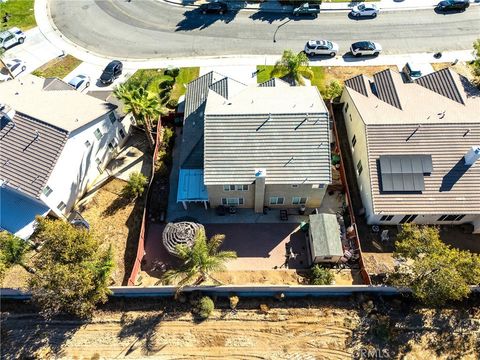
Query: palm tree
294, 66
200, 260
143, 104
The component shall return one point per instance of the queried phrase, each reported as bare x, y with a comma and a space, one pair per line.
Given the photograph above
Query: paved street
151, 29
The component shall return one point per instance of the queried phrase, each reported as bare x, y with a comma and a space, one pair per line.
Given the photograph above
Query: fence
143, 231
343, 176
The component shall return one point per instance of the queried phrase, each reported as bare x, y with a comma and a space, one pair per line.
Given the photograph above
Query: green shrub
173, 72
165, 95
172, 103
166, 84
333, 90
135, 185
204, 307
168, 134
320, 276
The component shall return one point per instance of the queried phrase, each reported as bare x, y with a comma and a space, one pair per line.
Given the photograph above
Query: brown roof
357, 83
29, 150
445, 83
386, 89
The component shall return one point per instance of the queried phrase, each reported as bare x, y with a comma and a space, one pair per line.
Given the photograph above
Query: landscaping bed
21, 14
116, 221
58, 67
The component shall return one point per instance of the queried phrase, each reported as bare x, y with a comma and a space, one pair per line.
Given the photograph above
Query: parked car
321, 47
11, 37
215, 7
453, 5
80, 82
16, 66
361, 48
413, 71
365, 10
112, 71
307, 9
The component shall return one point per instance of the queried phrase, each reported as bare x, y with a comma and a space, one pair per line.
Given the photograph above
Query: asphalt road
144, 29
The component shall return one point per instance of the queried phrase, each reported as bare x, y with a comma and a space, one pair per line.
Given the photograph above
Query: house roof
325, 232
52, 102
431, 121
400, 101
284, 130
28, 153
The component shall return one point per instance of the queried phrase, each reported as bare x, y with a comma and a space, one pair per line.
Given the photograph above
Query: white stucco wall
76, 167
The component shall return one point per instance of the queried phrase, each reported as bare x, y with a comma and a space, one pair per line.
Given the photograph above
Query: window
112, 145
346, 108
297, 200
386, 218
354, 140
359, 167
98, 134
47, 190
350, 116
112, 117
318, 186
451, 217
235, 187
232, 201
122, 133
87, 144
276, 200
408, 219
61, 206
98, 161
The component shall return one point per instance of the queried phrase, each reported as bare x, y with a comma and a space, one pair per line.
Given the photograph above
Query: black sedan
216, 7
453, 5
112, 71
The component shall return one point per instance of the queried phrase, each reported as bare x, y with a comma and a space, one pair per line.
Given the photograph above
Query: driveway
35, 51
94, 72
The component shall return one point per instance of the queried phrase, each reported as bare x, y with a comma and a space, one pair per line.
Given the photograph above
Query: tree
204, 307
200, 260
333, 90
294, 66
72, 271
135, 185
435, 272
321, 276
143, 104
476, 61
12, 251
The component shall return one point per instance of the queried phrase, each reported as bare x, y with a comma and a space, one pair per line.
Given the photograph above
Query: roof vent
260, 173
472, 155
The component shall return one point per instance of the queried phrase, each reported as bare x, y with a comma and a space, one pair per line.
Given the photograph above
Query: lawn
324, 75
21, 12
58, 67
153, 78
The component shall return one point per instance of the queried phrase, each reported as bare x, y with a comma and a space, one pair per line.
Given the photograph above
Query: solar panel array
404, 172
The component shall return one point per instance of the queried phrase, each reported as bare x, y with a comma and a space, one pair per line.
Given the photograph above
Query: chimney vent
472, 155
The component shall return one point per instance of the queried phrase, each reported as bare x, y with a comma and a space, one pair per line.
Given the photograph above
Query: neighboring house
254, 146
54, 142
416, 147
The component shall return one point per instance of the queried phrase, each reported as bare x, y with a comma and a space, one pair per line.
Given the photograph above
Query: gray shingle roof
274, 82
443, 82
29, 151
52, 84
385, 87
357, 83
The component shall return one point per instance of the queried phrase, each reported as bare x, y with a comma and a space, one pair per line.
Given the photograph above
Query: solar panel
404, 172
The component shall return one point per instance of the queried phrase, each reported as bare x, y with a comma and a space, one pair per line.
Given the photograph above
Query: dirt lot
117, 222
293, 329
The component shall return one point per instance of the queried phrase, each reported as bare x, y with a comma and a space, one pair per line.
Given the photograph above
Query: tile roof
451, 187
386, 89
67, 109
28, 153
282, 129
445, 83
357, 83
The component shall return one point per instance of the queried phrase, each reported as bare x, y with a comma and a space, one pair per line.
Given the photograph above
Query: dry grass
342, 73
461, 68
58, 67
117, 223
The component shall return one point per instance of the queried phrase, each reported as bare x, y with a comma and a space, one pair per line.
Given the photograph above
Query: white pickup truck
11, 37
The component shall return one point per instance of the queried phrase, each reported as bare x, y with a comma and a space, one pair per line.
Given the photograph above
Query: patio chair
384, 237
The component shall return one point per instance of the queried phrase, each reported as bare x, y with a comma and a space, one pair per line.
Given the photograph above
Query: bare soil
259, 329
461, 67
116, 221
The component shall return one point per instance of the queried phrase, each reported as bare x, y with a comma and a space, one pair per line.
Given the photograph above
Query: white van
11, 37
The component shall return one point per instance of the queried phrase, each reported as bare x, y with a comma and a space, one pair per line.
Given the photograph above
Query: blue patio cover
17, 212
191, 186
